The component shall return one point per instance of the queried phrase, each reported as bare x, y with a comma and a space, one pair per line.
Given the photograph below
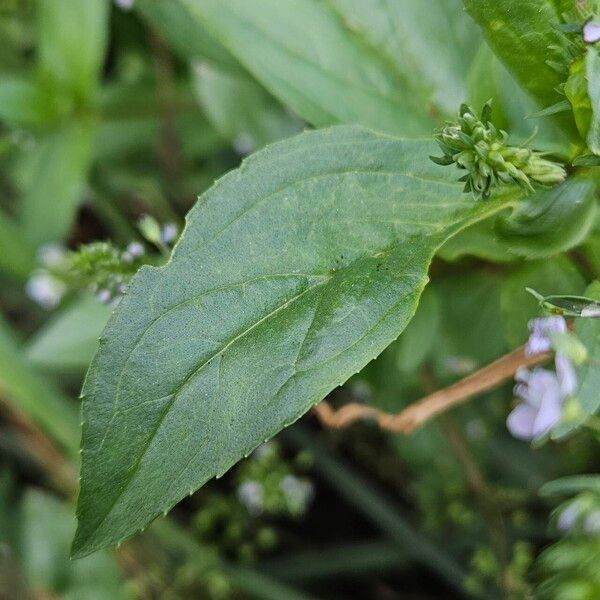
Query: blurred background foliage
108, 114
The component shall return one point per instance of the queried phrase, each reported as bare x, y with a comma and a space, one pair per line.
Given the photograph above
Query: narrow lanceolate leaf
305, 55
293, 272
521, 34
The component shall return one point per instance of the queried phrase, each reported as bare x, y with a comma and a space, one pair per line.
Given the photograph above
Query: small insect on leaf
568, 306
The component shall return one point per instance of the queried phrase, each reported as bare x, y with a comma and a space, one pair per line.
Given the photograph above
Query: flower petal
521, 421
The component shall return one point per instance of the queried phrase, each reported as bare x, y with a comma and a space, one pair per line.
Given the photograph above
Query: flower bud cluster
476, 146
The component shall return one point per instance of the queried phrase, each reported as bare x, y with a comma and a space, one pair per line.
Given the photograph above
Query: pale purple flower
569, 516
540, 332
134, 250
591, 32
565, 372
168, 233
542, 402
104, 296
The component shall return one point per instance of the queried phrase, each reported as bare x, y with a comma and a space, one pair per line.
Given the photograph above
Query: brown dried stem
417, 414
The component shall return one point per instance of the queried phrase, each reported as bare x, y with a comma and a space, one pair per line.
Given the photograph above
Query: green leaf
68, 341
551, 221
185, 35
513, 108
588, 374
479, 240
431, 49
520, 33
571, 485
46, 527
251, 124
304, 54
293, 272
17, 257
61, 164
557, 275
21, 102
35, 395
72, 40
592, 71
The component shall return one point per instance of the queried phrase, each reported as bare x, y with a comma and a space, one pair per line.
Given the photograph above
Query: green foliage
521, 34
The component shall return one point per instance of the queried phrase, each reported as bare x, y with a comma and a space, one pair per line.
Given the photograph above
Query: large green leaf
521, 34
305, 55
293, 272
592, 71
431, 49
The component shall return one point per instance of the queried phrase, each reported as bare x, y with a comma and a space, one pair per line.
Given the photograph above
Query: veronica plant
301, 266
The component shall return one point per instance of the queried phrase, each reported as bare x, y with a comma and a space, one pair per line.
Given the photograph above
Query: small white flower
45, 289
297, 492
243, 144
250, 494
124, 4
51, 255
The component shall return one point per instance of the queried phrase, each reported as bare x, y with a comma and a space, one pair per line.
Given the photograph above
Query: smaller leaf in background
67, 342
588, 374
57, 182
17, 257
431, 46
570, 485
592, 72
46, 529
250, 124
175, 22
418, 339
469, 334
512, 106
72, 38
548, 276
21, 101
35, 395
551, 221
520, 33
480, 241
308, 58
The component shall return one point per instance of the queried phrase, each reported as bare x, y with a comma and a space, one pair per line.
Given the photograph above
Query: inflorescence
475, 145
